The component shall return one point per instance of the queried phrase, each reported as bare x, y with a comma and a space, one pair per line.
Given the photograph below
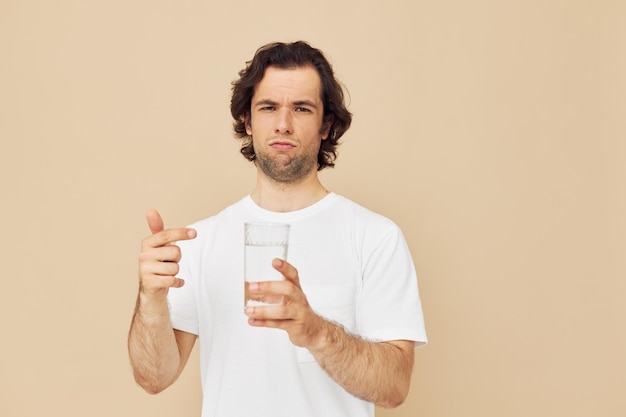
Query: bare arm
157, 352
376, 372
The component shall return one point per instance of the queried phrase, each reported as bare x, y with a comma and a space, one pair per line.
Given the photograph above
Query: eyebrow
305, 103
268, 102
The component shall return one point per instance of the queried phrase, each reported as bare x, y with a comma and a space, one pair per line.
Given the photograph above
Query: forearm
376, 372
152, 346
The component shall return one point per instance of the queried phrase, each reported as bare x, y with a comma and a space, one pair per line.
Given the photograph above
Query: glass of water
263, 243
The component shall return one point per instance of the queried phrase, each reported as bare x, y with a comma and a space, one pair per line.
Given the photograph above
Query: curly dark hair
291, 55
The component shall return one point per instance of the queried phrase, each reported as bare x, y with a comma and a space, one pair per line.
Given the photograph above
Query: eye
267, 108
303, 109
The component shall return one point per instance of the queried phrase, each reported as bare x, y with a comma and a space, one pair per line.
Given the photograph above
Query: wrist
151, 307
327, 338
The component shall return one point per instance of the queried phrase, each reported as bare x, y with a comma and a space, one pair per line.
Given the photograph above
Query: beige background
493, 132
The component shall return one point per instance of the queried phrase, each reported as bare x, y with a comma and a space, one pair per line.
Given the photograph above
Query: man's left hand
294, 315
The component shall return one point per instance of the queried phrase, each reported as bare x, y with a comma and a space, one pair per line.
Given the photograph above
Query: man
343, 339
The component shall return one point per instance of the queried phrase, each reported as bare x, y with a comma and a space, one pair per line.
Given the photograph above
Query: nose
284, 122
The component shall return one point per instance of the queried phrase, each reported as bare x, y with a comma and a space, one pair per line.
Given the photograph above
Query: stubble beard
284, 169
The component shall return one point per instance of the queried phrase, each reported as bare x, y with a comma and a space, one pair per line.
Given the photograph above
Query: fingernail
191, 233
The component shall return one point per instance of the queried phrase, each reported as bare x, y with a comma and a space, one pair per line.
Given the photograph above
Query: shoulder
364, 217
230, 212
209, 226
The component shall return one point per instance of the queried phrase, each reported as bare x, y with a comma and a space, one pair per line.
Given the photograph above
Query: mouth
282, 145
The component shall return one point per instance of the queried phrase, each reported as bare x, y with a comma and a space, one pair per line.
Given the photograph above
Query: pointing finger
168, 236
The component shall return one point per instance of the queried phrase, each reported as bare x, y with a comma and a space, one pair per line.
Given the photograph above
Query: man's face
286, 123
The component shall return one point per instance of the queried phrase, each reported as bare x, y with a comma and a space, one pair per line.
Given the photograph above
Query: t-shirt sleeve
389, 305
182, 301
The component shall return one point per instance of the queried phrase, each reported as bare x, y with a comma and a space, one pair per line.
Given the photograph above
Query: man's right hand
157, 352
159, 257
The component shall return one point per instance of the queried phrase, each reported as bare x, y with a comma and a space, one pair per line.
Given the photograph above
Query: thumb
155, 222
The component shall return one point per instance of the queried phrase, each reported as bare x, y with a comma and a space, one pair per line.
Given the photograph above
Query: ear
327, 123
246, 122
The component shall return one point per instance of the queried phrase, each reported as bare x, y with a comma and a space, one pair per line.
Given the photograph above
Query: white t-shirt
354, 268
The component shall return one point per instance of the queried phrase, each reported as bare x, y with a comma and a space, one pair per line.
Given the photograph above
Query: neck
281, 197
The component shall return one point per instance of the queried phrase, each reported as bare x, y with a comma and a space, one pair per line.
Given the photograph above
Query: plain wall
492, 132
